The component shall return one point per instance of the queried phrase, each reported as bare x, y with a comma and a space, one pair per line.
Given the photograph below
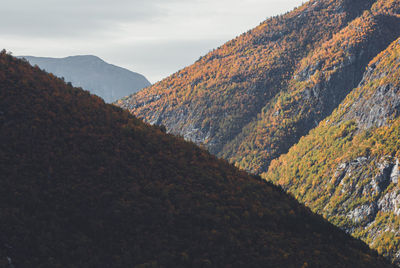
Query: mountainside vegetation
322, 81
347, 168
86, 184
211, 101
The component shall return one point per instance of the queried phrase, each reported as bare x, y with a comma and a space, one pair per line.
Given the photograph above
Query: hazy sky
152, 37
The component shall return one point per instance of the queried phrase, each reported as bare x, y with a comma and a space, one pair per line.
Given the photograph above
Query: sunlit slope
321, 81
212, 100
347, 168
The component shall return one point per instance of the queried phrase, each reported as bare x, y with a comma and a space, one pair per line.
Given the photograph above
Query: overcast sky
153, 37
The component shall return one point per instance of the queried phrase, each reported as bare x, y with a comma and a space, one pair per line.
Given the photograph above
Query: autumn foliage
218, 100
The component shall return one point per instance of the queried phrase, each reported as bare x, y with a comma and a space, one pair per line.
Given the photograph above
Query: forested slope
212, 101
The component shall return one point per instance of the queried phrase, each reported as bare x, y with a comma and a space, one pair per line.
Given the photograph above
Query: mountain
347, 168
258, 96
86, 184
92, 73
251, 99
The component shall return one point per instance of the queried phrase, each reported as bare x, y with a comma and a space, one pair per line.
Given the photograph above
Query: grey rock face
390, 203
93, 74
382, 180
353, 178
394, 176
363, 213
378, 109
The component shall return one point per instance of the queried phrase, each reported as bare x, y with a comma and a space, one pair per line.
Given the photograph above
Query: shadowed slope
85, 184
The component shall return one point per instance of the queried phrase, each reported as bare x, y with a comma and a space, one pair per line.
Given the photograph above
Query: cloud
101, 18
153, 37
74, 18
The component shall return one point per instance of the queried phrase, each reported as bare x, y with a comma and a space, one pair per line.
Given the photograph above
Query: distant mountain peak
84, 58
93, 74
